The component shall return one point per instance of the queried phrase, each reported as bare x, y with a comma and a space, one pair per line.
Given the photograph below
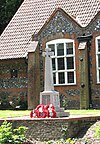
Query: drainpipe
87, 39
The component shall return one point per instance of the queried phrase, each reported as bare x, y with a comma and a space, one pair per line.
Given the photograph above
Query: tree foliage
7, 10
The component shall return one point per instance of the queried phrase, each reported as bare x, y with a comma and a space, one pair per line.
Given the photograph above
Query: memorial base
52, 97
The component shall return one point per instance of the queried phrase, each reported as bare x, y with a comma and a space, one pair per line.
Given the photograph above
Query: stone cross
49, 95
48, 83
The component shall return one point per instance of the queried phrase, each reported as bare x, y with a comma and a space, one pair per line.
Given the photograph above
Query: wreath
43, 111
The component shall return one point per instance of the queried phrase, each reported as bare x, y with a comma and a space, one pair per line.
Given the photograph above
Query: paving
67, 118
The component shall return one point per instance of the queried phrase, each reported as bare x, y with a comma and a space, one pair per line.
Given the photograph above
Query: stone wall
51, 129
13, 89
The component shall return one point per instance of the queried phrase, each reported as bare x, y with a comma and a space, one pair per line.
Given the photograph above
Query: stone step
63, 114
58, 109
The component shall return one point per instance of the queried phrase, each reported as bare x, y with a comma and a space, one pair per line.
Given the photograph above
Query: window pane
52, 46
70, 77
61, 77
54, 78
60, 49
53, 64
61, 65
69, 48
98, 60
70, 63
98, 45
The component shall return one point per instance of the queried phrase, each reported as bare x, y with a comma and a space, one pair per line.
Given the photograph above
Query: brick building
72, 30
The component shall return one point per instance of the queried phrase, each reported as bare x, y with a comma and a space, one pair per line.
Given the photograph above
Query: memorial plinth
49, 95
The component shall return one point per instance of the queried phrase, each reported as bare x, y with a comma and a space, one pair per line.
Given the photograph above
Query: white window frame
58, 41
97, 53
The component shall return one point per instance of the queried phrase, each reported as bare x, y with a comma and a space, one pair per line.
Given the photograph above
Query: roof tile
32, 15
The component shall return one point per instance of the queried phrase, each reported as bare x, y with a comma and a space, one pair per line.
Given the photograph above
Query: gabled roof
33, 14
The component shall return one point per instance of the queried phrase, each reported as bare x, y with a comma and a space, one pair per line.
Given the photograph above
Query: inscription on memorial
45, 99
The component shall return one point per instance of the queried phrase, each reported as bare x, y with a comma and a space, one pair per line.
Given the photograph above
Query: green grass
84, 112
13, 113
97, 133
17, 113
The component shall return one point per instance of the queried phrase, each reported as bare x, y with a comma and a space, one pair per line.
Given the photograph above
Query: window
63, 61
98, 58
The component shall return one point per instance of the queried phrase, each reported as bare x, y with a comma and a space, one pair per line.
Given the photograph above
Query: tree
7, 10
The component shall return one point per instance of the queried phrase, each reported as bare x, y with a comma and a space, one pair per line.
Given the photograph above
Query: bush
8, 135
97, 134
63, 101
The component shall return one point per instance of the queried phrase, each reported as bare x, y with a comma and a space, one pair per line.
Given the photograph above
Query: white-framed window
63, 61
98, 58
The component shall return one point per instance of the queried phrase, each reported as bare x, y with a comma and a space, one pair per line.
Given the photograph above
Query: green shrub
97, 133
63, 101
8, 135
64, 130
62, 141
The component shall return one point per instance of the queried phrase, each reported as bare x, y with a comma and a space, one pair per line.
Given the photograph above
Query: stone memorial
49, 95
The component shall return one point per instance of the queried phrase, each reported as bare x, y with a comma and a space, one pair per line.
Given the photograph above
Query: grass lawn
16, 113
13, 113
84, 112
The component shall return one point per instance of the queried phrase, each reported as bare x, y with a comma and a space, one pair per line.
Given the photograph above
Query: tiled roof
32, 15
